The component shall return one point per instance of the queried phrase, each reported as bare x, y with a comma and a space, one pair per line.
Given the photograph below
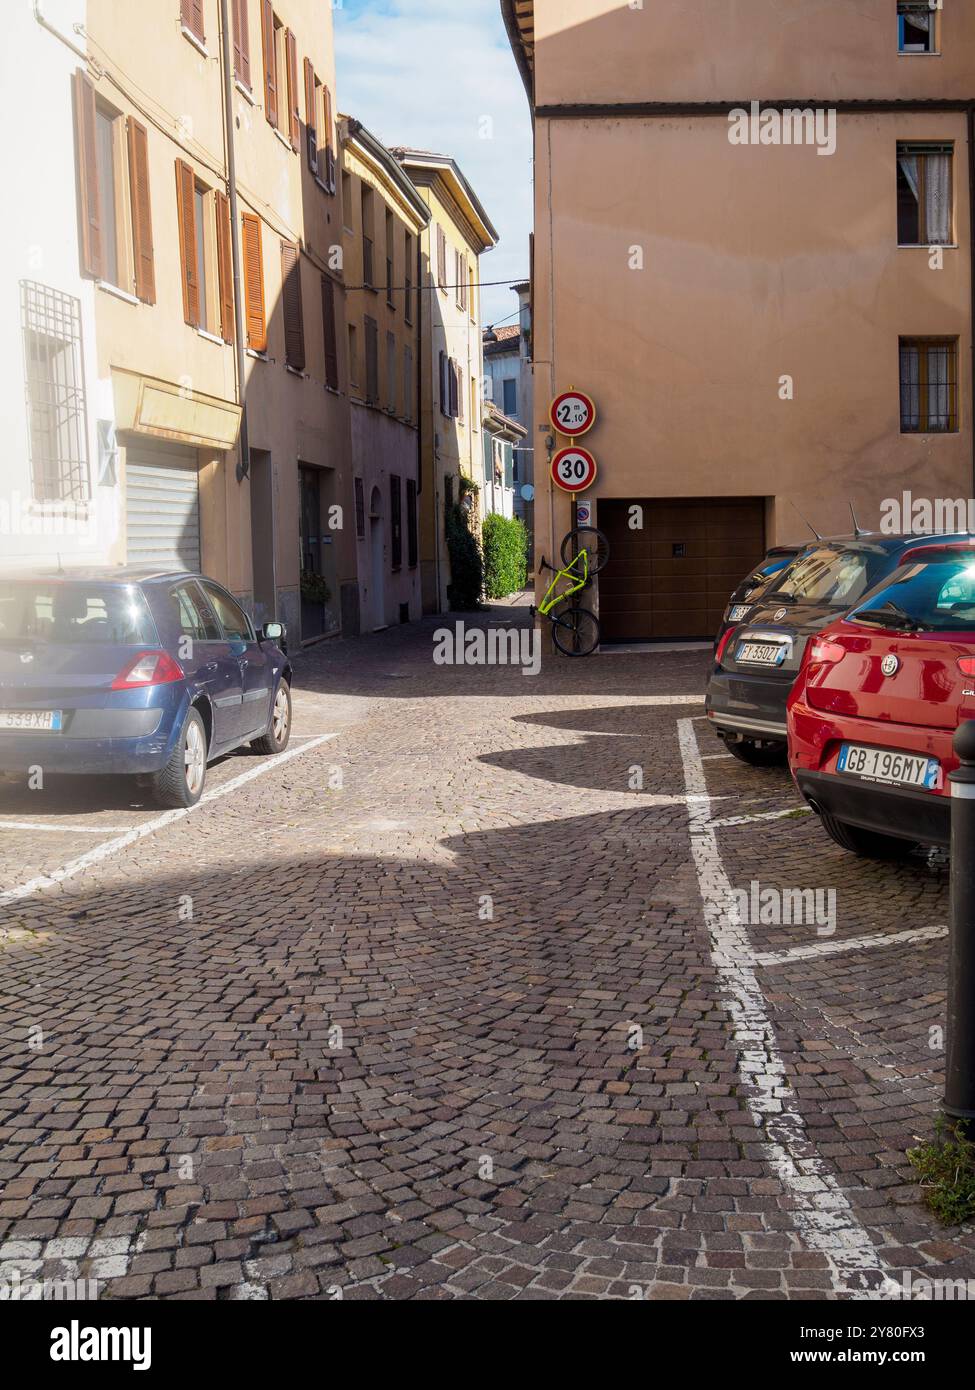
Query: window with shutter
372, 361
294, 115
188, 254
459, 394
329, 141
452, 388
294, 328
411, 546
360, 510
145, 272
253, 256
225, 268
311, 117
444, 389
242, 43
90, 234
441, 256
191, 14
269, 47
396, 520
331, 343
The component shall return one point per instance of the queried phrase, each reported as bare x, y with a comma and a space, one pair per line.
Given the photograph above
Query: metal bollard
959, 1098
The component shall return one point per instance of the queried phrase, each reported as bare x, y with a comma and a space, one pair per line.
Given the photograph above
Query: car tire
279, 728
757, 754
868, 844
181, 782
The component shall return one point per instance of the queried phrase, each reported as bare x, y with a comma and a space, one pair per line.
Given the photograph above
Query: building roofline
519, 21
502, 423
357, 134
449, 169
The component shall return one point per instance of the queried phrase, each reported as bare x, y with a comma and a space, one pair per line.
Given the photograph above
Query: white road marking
716, 757
111, 847
856, 943
823, 1215
797, 811
68, 829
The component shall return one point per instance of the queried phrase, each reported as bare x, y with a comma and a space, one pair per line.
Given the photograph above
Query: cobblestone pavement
446, 1006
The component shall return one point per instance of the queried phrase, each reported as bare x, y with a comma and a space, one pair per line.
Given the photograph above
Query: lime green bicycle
575, 631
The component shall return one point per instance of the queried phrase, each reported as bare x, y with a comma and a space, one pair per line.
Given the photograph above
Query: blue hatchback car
135, 672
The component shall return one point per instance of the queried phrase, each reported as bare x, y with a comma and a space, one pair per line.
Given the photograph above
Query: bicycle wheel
576, 632
587, 538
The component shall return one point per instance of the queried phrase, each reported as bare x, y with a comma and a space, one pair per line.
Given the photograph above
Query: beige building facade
458, 233
219, 302
384, 218
770, 303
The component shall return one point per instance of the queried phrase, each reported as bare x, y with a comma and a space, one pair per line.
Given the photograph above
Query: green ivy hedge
466, 566
505, 550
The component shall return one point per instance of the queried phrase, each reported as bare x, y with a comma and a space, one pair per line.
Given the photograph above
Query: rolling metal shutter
162, 506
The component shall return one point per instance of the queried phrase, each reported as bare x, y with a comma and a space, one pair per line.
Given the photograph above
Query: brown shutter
185, 188
270, 71
145, 271
294, 114
328, 318
225, 268
253, 256
294, 328
242, 43
311, 122
89, 225
329, 141
191, 13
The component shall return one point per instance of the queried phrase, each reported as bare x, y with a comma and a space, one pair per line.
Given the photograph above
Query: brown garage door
672, 578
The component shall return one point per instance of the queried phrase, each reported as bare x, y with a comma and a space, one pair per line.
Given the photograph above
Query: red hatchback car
877, 701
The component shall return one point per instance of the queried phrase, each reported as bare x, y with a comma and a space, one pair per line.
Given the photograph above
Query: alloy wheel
194, 756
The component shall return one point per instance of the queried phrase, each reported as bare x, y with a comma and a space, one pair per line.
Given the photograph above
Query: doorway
377, 566
314, 590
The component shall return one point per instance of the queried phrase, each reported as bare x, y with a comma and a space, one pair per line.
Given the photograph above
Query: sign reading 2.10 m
573, 413
574, 469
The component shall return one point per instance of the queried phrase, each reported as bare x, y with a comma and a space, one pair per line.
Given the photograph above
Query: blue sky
439, 75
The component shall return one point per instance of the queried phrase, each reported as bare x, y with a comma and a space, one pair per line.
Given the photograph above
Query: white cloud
438, 76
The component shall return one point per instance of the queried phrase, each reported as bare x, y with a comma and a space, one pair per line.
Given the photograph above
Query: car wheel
757, 754
181, 781
279, 729
868, 844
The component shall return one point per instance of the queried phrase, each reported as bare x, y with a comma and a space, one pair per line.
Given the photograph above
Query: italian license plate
738, 611
882, 765
31, 720
761, 653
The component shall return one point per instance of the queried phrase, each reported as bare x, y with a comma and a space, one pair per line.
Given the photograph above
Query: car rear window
936, 595
74, 611
830, 576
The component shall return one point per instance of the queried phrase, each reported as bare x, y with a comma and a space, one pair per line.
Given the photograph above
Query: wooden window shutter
185, 188
441, 256
460, 394
329, 140
452, 386
253, 255
225, 268
328, 320
294, 114
294, 328
270, 70
311, 122
444, 401
87, 163
242, 43
191, 14
145, 272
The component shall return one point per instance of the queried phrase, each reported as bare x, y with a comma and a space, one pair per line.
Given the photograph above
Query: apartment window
331, 343
929, 385
346, 199
367, 237
916, 26
389, 259
441, 257
458, 397
353, 354
191, 17
471, 293
411, 545
408, 280
312, 100
396, 519
372, 361
270, 31
475, 413
280, 53
444, 388
509, 390
253, 270
391, 373
294, 325
242, 43
924, 194
57, 415
204, 243
408, 383
360, 510
106, 125
199, 218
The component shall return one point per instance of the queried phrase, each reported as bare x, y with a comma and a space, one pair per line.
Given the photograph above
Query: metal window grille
57, 410
929, 387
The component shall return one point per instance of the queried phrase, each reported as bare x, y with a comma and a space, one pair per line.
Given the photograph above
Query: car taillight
966, 665
825, 653
720, 650
148, 668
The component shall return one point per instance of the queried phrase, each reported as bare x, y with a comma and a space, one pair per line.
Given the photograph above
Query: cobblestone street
446, 1004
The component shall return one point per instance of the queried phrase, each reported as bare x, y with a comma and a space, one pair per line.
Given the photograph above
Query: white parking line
796, 811
111, 847
856, 943
823, 1215
68, 829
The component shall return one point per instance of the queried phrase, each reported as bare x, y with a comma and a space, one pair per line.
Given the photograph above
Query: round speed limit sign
573, 413
574, 470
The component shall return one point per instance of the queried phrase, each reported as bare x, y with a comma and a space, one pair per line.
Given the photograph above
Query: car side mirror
273, 632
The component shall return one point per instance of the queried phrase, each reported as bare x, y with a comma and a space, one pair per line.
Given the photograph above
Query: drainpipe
243, 466
971, 249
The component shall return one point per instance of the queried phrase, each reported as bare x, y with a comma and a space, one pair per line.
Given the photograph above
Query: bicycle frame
577, 576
